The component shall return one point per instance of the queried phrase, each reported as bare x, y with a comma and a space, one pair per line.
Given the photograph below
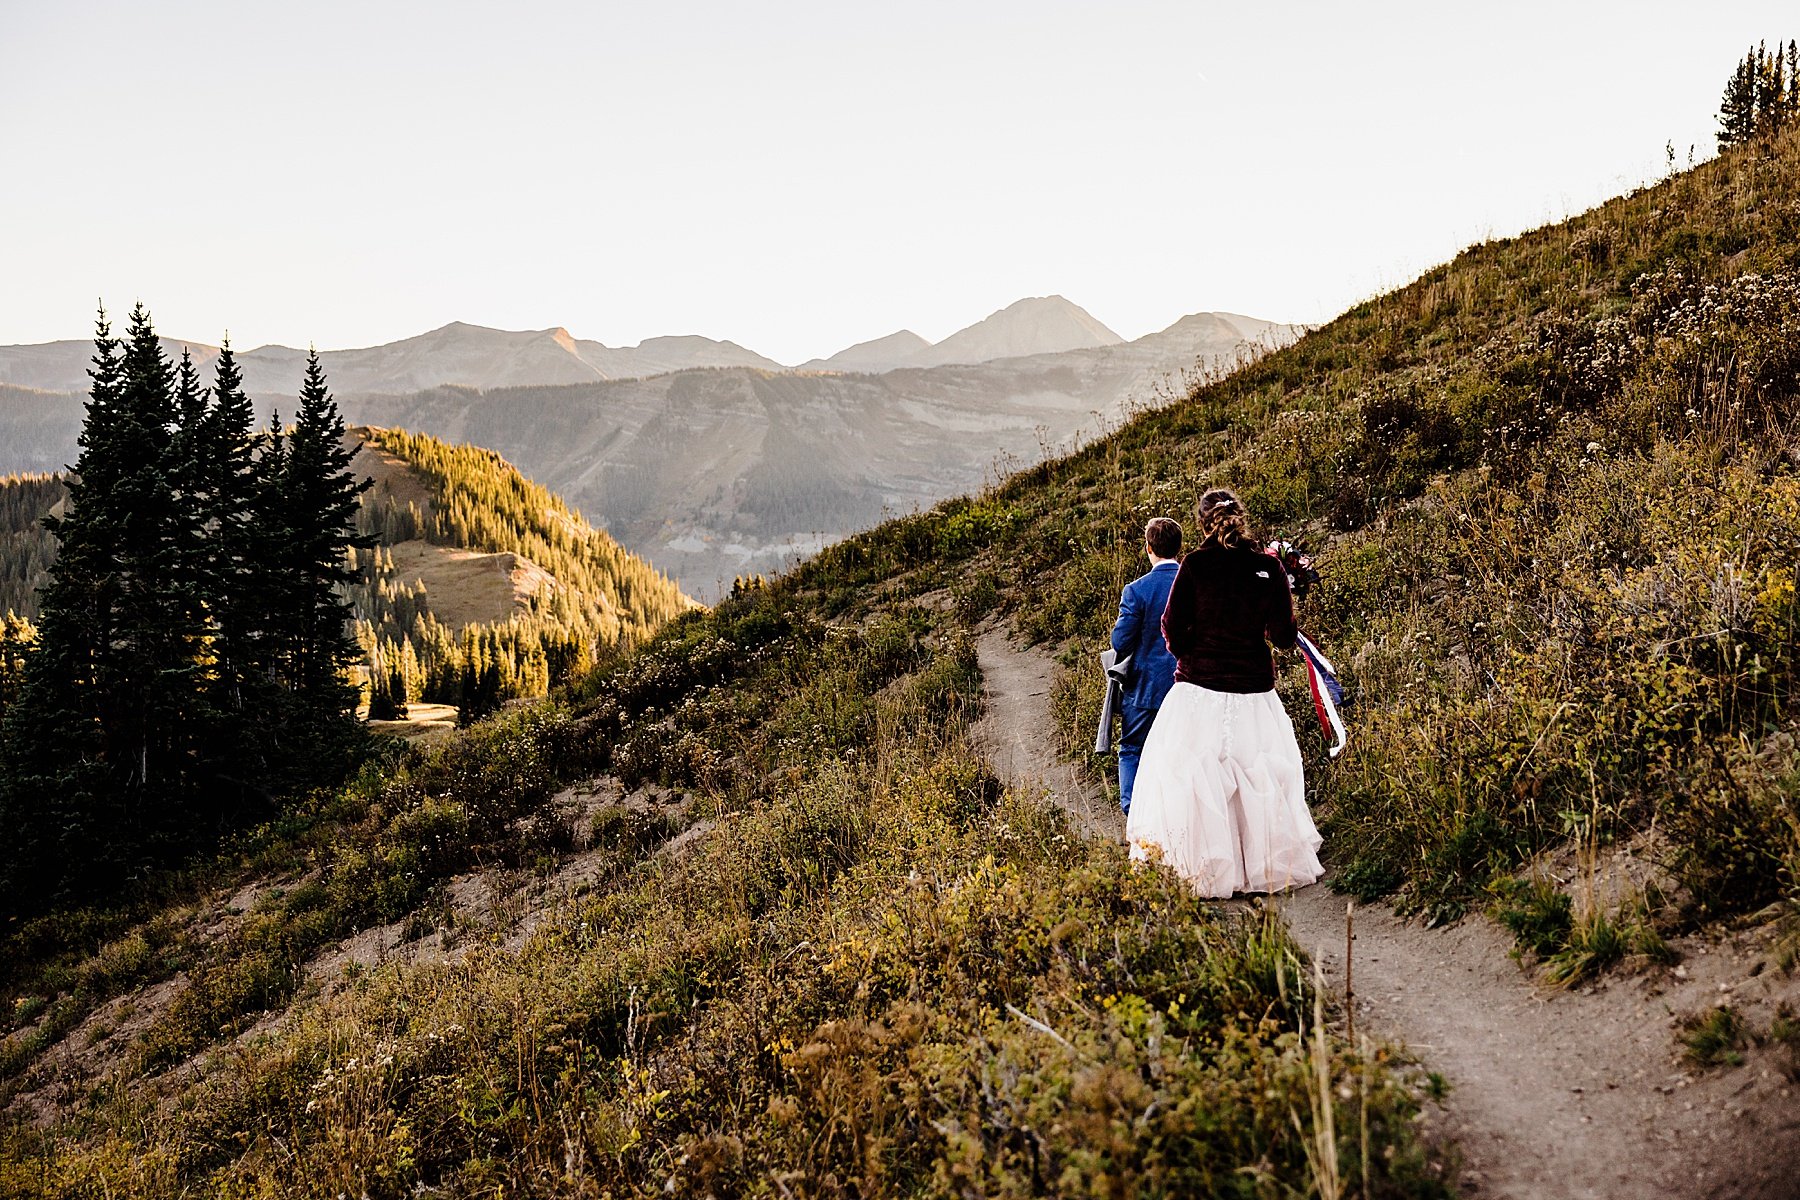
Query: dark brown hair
1223, 521
1163, 537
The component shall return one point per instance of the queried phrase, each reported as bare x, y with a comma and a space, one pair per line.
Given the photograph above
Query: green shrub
1535, 911
1715, 1038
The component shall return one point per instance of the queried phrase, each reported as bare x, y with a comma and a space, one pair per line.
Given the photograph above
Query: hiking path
1552, 1093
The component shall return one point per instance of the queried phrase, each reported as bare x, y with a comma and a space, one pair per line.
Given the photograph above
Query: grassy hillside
875, 974
791, 936
1555, 490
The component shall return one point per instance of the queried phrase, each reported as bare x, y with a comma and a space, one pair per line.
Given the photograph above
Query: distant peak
1056, 301
1032, 325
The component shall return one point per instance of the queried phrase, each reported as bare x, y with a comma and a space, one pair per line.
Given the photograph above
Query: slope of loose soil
468, 587
494, 907
1552, 1093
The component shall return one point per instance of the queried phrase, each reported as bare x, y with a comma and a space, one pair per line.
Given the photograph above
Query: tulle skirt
1221, 792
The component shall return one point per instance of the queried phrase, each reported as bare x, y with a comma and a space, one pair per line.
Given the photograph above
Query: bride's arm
1178, 617
1281, 628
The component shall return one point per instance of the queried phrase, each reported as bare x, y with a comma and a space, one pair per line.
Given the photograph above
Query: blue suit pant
1134, 725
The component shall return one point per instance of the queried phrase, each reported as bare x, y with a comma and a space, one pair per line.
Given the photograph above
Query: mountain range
704, 457
458, 354
726, 472
464, 355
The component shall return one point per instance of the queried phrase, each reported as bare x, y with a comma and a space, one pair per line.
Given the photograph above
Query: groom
1138, 633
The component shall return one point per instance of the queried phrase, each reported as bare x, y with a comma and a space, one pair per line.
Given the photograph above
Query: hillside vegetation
818, 947
818, 950
565, 592
876, 975
1554, 487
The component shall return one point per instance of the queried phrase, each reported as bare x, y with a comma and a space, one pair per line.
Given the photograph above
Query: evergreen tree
1737, 112
268, 618
150, 715
102, 741
1793, 71
232, 510
54, 797
243, 591
190, 479
1763, 92
320, 498
1777, 72
479, 694
193, 640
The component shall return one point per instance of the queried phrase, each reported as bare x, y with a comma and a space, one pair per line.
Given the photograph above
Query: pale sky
800, 176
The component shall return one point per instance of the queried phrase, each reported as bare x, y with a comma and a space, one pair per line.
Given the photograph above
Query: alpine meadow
758, 898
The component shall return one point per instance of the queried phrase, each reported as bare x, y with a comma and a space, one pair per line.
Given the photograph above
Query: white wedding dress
1221, 794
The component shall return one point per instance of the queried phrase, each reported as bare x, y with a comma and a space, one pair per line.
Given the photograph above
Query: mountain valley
735, 466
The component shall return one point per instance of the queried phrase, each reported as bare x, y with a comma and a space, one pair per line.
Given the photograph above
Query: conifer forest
188, 662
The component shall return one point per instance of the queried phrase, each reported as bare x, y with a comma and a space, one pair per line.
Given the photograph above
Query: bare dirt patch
389, 473
97, 1049
465, 587
424, 722
1580, 1093
499, 908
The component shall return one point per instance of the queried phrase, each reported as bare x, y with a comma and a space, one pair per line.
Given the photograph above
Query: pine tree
1793, 71
102, 743
268, 618
231, 503
1778, 89
190, 479
244, 588
1759, 90
320, 498
155, 627
55, 800
1737, 112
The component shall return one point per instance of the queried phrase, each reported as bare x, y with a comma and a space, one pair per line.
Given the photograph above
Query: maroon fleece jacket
1221, 607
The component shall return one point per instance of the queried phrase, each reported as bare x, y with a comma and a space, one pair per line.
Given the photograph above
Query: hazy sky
800, 176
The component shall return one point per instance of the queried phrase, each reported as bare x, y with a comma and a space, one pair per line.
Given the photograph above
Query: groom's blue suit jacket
1138, 632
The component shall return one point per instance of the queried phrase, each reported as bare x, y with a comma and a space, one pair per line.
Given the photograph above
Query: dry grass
876, 974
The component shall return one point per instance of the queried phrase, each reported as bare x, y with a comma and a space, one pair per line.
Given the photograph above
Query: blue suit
1138, 632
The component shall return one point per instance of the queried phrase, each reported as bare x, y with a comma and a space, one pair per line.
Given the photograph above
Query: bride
1220, 788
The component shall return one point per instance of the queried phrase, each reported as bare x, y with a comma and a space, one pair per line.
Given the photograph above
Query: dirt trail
1553, 1094
1015, 733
